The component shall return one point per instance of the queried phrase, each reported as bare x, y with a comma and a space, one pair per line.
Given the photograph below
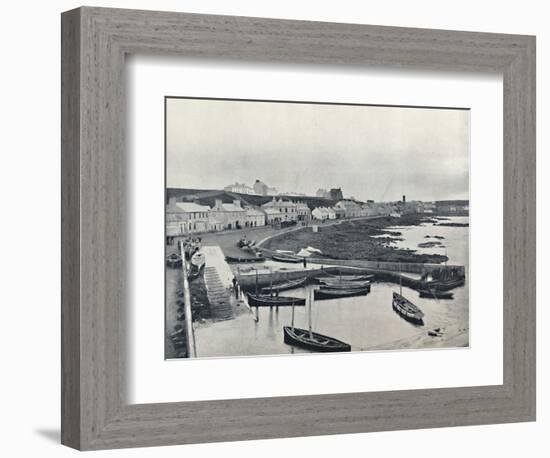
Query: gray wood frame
95, 413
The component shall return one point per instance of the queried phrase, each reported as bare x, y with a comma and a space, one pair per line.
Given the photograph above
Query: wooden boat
345, 284
195, 272
434, 294
173, 260
313, 341
286, 258
335, 277
247, 259
198, 260
264, 300
442, 285
407, 309
335, 293
291, 284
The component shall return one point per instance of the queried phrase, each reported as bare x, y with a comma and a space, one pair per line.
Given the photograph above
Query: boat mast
256, 282
309, 315
292, 319
400, 282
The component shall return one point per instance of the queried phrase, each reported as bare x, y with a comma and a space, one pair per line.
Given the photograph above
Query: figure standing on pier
235, 287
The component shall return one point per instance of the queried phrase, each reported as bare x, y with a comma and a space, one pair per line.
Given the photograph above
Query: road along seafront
366, 322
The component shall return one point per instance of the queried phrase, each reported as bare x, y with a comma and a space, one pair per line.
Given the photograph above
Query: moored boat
335, 293
286, 258
198, 260
407, 309
345, 284
335, 277
173, 260
291, 284
313, 341
244, 259
265, 300
434, 294
442, 285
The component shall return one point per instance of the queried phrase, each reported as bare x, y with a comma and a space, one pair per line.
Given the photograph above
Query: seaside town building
287, 209
272, 216
352, 209
232, 215
183, 218
340, 212
323, 193
239, 188
303, 211
262, 189
453, 207
254, 217
320, 213
336, 194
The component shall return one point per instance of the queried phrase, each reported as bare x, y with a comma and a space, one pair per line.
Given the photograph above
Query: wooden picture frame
95, 412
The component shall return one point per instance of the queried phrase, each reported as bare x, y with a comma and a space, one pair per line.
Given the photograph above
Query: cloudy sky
371, 152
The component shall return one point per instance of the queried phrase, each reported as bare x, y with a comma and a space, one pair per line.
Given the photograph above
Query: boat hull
442, 285
407, 310
285, 286
234, 260
317, 342
281, 258
274, 301
345, 284
174, 261
332, 293
435, 294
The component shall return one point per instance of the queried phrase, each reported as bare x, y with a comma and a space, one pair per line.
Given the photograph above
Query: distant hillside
209, 196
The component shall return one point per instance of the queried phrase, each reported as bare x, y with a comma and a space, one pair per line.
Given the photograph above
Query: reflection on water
363, 321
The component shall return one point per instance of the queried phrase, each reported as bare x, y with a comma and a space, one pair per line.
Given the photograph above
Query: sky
371, 152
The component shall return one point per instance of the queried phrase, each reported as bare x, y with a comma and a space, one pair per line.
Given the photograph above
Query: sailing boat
269, 300
306, 338
406, 308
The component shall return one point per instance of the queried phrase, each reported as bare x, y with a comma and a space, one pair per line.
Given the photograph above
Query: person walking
235, 288
305, 262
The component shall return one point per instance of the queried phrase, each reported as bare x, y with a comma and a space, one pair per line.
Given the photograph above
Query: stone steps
218, 296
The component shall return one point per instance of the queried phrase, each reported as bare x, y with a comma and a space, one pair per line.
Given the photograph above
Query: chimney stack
218, 203
237, 203
404, 198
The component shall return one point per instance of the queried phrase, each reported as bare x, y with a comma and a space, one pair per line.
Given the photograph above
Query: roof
232, 208
254, 212
187, 207
279, 203
321, 209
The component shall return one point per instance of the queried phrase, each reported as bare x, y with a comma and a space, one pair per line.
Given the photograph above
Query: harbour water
365, 322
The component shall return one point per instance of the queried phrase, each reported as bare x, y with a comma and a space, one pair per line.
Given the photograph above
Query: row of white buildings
184, 218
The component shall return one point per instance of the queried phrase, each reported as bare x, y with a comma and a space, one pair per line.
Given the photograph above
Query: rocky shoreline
359, 239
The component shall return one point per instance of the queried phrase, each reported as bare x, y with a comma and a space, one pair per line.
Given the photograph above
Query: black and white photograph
301, 227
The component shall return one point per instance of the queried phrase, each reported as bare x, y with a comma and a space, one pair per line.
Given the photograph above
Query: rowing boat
434, 294
242, 260
345, 284
407, 309
313, 341
335, 293
286, 258
264, 300
291, 284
